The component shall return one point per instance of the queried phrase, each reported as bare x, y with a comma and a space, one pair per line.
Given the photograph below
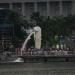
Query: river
51, 68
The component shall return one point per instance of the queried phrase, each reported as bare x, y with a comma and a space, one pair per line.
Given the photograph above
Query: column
35, 7
23, 9
73, 7
60, 7
48, 9
10, 6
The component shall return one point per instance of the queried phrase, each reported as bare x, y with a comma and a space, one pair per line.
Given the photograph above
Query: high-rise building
6, 30
45, 7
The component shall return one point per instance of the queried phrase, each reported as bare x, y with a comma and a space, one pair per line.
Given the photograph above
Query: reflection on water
51, 68
49, 65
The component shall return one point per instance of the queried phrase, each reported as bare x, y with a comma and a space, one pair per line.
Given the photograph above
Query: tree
17, 20
56, 26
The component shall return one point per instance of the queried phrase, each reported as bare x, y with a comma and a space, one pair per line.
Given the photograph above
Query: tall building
6, 30
45, 7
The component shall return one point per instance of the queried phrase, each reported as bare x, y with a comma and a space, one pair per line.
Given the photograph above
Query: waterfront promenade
51, 68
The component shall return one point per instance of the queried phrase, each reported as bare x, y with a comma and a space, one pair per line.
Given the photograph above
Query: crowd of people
47, 52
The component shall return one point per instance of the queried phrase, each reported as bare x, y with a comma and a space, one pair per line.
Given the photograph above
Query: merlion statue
37, 37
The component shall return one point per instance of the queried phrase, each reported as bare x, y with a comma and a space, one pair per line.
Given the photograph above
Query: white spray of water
18, 60
25, 42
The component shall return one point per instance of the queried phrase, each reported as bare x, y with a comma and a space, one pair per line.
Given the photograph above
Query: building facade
45, 7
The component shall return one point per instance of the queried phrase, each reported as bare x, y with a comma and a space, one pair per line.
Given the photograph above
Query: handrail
48, 53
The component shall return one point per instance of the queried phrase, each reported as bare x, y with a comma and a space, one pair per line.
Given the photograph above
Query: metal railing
47, 53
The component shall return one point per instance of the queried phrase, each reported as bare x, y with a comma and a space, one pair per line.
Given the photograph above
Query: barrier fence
46, 53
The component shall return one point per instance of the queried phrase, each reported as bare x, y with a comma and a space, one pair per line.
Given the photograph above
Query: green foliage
17, 20
54, 26
31, 42
51, 27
